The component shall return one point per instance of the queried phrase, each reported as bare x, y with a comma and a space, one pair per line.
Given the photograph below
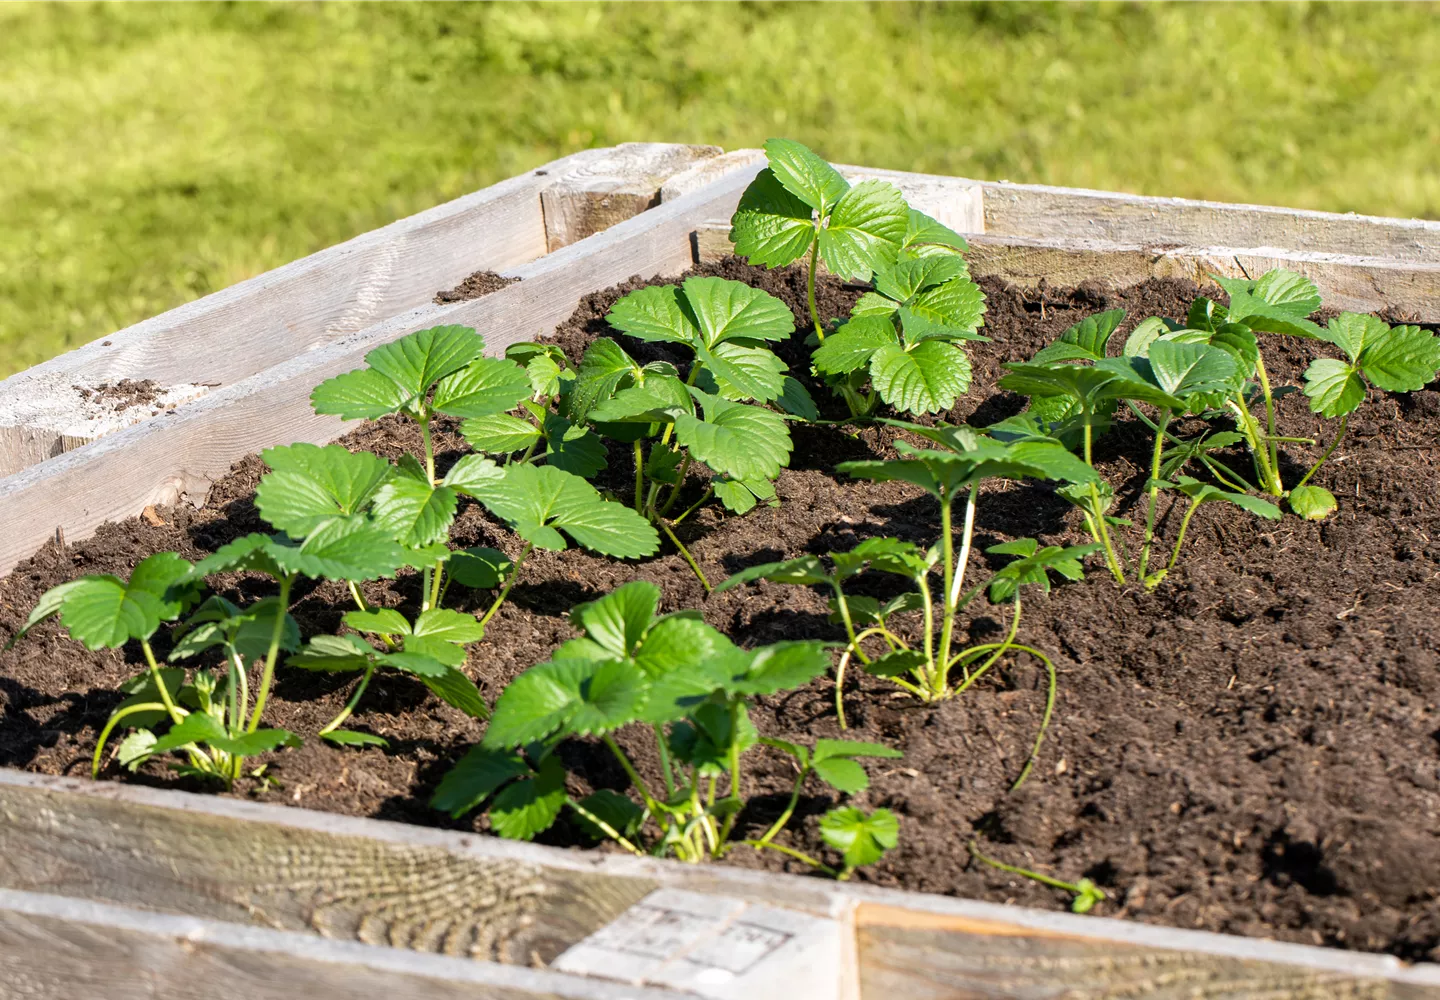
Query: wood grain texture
177, 456
1042, 212
57, 949
412, 896
966, 963
625, 181
235, 333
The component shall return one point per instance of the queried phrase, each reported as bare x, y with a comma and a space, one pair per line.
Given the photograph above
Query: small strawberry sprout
692, 688
965, 461
1086, 892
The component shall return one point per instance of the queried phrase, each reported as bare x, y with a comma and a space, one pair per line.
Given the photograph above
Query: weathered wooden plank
596, 195
222, 338
178, 455
1360, 284
1043, 212
53, 948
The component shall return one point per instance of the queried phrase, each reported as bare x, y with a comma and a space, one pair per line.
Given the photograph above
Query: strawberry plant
692, 688
965, 461
1085, 892
210, 718
442, 371
904, 338
1075, 385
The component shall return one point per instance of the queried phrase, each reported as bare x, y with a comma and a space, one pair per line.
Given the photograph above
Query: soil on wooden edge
475, 286
1254, 748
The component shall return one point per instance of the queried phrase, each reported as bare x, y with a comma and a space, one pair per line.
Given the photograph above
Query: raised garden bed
1249, 748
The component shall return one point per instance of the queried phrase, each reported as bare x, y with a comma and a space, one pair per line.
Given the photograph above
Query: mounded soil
1253, 748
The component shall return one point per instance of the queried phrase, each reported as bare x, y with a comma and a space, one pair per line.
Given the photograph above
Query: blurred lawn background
150, 154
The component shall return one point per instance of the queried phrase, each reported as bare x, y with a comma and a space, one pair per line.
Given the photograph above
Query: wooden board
178, 455
1041, 212
1409, 289
222, 338
52, 948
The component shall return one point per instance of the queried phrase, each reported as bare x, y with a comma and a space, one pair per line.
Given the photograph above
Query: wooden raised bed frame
158, 894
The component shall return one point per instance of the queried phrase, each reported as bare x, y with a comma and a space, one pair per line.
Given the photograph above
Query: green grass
153, 154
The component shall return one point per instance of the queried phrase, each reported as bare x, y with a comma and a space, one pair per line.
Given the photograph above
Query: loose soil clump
1253, 748
476, 286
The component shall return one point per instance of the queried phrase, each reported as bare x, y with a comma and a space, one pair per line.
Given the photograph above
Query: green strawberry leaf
1333, 387
853, 345
604, 368
104, 612
399, 373
414, 512
1205, 493
540, 502
381, 621
334, 654
732, 310
484, 387
803, 571
469, 474
572, 448
826, 749
618, 621
927, 378
499, 433
741, 373
744, 442
842, 775
475, 777
861, 839
1401, 359
1089, 339
952, 311
311, 484
574, 696
1313, 503
443, 623
615, 810
771, 226
805, 175
742, 496
795, 399
781, 666
352, 738
480, 568
864, 231
526, 808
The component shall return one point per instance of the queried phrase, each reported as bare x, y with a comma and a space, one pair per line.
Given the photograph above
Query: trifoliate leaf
771, 226
781, 666
310, 484
1313, 503
1240, 342
604, 368
862, 839
908, 276
545, 366
414, 512
527, 808
618, 621
1333, 387
443, 623
663, 465
573, 448
1294, 293
479, 567
1087, 340
705, 740
1083, 384
1034, 566
897, 663
614, 810
953, 311
865, 230
872, 304
680, 644
795, 399
417, 361
741, 441
887, 555
539, 502
583, 697
484, 387
805, 175
49, 604
636, 404
926, 378
353, 738
353, 549
381, 621
1184, 370
1351, 331
654, 313
475, 777
853, 345
742, 496
742, 373
732, 310
1401, 359
499, 433
1137, 345
104, 612
1277, 302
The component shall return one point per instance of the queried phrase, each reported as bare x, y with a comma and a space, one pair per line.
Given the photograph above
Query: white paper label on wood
716, 947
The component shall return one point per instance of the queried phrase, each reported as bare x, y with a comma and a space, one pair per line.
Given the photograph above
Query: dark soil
121, 395
477, 285
1253, 748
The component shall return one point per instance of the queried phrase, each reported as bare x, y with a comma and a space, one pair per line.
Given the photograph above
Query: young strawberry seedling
1086, 892
442, 371
692, 687
904, 338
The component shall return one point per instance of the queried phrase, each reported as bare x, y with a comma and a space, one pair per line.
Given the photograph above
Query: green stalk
335, 723
810, 288
634, 776
424, 422
111, 723
1000, 648
605, 827
947, 627
1098, 529
932, 669
696, 505
675, 487
1328, 452
165, 699
275, 636
505, 592
1025, 872
1274, 449
664, 760
1152, 494
1045, 720
779, 824
639, 475
734, 768
798, 857
694, 566
1184, 524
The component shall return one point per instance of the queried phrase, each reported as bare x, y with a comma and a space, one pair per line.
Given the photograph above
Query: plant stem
932, 669
424, 421
335, 723
710, 492
1180, 540
438, 577
159, 679
694, 566
664, 760
779, 824
999, 647
639, 475
1098, 529
844, 607
514, 575
734, 767
1328, 452
963, 560
605, 827
1025, 872
947, 627
1273, 448
276, 635
111, 723
758, 845
633, 775
675, 487
1153, 492
810, 289
1045, 720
